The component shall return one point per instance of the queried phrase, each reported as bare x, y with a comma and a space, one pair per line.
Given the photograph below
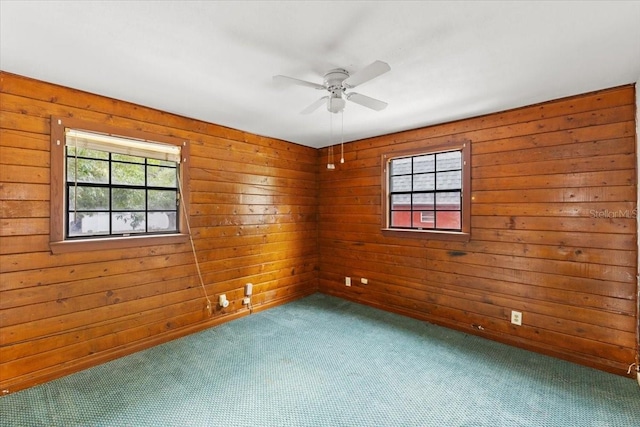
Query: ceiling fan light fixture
335, 104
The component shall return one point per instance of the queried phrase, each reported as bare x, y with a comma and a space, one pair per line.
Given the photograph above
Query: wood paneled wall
253, 213
553, 231
553, 235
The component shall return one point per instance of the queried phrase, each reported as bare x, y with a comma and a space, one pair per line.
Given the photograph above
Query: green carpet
323, 361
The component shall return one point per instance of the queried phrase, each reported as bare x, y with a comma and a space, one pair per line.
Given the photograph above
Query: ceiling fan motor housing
333, 82
334, 78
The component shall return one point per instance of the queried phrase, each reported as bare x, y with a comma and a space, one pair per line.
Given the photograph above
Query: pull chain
342, 137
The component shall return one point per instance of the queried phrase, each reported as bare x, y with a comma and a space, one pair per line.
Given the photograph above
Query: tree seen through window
118, 194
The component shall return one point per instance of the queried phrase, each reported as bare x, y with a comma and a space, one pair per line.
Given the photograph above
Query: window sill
83, 245
427, 234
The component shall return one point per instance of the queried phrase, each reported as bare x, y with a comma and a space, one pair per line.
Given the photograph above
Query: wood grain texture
553, 231
253, 208
553, 235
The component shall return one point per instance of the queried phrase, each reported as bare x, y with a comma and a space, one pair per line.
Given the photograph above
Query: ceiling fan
337, 82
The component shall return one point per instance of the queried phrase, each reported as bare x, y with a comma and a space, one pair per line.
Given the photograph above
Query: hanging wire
330, 164
342, 137
193, 247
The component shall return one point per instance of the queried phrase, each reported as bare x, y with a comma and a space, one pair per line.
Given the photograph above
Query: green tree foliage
88, 173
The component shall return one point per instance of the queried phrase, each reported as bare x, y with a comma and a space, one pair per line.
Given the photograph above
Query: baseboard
611, 367
30, 380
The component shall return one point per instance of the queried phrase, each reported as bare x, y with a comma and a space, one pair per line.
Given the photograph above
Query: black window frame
110, 186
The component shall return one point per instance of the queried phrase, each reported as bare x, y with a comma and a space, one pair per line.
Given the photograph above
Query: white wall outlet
516, 317
347, 281
246, 300
364, 281
223, 301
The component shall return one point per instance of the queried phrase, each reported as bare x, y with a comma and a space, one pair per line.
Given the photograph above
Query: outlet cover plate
516, 317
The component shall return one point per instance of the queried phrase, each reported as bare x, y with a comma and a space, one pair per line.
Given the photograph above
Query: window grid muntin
148, 163
420, 212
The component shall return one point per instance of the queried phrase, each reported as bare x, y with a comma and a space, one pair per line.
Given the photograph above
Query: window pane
128, 222
448, 201
161, 176
127, 158
449, 161
88, 223
401, 202
400, 183
423, 201
424, 182
88, 198
449, 180
401, 166
162, 221
423, 164
166, 163
128, 199
449, 220
161, 200
423, 219
86, 152
113, 186
127, 174
91, 171
432, 182
401, 219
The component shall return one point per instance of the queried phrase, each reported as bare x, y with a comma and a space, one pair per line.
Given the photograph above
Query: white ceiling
214, 60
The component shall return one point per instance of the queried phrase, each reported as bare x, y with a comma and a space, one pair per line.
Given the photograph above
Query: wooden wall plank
554, 189
252, 211
553, 234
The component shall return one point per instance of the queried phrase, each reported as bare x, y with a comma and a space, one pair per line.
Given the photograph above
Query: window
427, 192
114, 187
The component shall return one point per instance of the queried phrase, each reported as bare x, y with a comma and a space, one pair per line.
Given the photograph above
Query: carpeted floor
323, 361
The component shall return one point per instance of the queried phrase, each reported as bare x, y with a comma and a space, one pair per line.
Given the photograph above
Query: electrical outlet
364, 281
246, 300
516, 318
347, 281
223, 301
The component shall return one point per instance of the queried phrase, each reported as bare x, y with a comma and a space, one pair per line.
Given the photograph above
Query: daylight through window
119, 187
115, 188
427, 190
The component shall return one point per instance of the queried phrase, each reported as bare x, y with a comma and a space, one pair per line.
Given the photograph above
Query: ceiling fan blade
285, 79
313, 107
366, 101
369, 72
